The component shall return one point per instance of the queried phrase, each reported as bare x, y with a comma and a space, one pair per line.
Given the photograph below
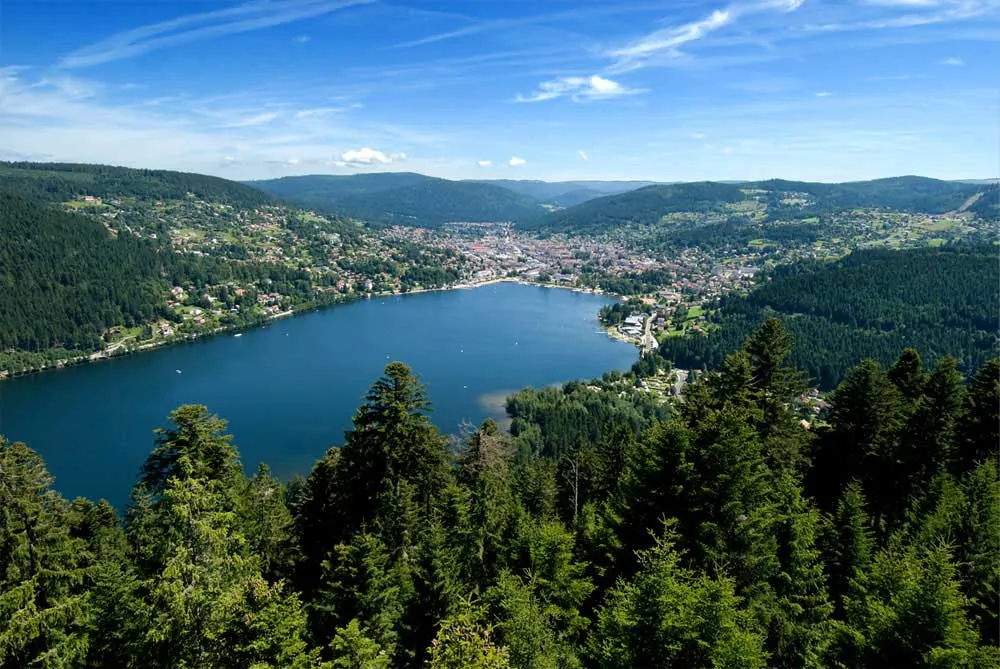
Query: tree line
722, 533
872, 303
60, 182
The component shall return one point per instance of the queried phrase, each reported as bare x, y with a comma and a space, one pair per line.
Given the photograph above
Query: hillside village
283, 258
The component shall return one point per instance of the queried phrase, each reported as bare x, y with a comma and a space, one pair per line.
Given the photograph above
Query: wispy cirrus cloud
203, 25
246, 134
917, 13
579, 89
954, 62
318, 112
249, 121
667, 41
484, 163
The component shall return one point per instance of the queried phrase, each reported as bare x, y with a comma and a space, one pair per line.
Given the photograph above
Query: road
648, 342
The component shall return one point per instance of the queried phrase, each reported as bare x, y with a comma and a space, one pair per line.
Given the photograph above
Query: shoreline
121, 352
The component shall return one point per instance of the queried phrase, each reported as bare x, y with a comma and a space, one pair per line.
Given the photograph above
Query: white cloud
204, 25
666, 41
905, 3
579, 89
257, 119
366, 157
516, 162
954, 62
484, 163
669, 39
823, 94
583, 155
326, 111
302, 39
921, 13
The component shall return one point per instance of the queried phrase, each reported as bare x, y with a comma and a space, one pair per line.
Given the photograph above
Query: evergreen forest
604, 530
871, 303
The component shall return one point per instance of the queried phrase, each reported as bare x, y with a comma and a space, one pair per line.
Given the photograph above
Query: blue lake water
289, 390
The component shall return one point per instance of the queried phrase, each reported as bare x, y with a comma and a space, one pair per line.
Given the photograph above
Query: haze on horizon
661, 91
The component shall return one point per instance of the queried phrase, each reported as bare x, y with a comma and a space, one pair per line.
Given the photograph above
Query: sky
670, 90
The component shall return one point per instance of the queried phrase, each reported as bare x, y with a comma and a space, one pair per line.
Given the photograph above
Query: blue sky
550, 89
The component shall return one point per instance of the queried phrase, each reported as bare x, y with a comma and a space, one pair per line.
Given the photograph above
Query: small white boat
238, 334
178, 371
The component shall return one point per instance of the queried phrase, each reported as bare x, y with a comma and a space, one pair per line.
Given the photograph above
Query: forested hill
404, 199
869, 304
66, 278
67, 181
609, 531
776, 199
565, 193
645, 206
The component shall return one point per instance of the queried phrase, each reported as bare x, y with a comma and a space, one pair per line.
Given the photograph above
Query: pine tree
464, 643
45, 611
207, 604
670, 616
351, 648
361, 584
799, 631
486, 473
907, 374
848, 545
730, 504
392, 439
268, 524
978, 549
929, 442
866, 421
200, 437
910, 612
978, 430
539, 612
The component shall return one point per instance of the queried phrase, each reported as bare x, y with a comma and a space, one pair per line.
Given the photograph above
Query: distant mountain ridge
407, 198
404, 198
66, 181
782, 199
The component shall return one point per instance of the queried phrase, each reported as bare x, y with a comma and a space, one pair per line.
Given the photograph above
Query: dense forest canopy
66, 181
66, 278
774, 200
404, 198
872, 303
721, 533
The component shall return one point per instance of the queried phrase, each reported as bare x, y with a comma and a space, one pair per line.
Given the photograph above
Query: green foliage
784, 200
670, 616
463, 643
718, 535
870, 304
645, 206
65, 278
44, 607
66, 181
404, 199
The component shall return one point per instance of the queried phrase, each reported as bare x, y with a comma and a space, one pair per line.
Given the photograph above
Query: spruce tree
672, 616
978, 430
45, 611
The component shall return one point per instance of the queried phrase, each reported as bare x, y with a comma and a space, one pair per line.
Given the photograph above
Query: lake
289, 389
